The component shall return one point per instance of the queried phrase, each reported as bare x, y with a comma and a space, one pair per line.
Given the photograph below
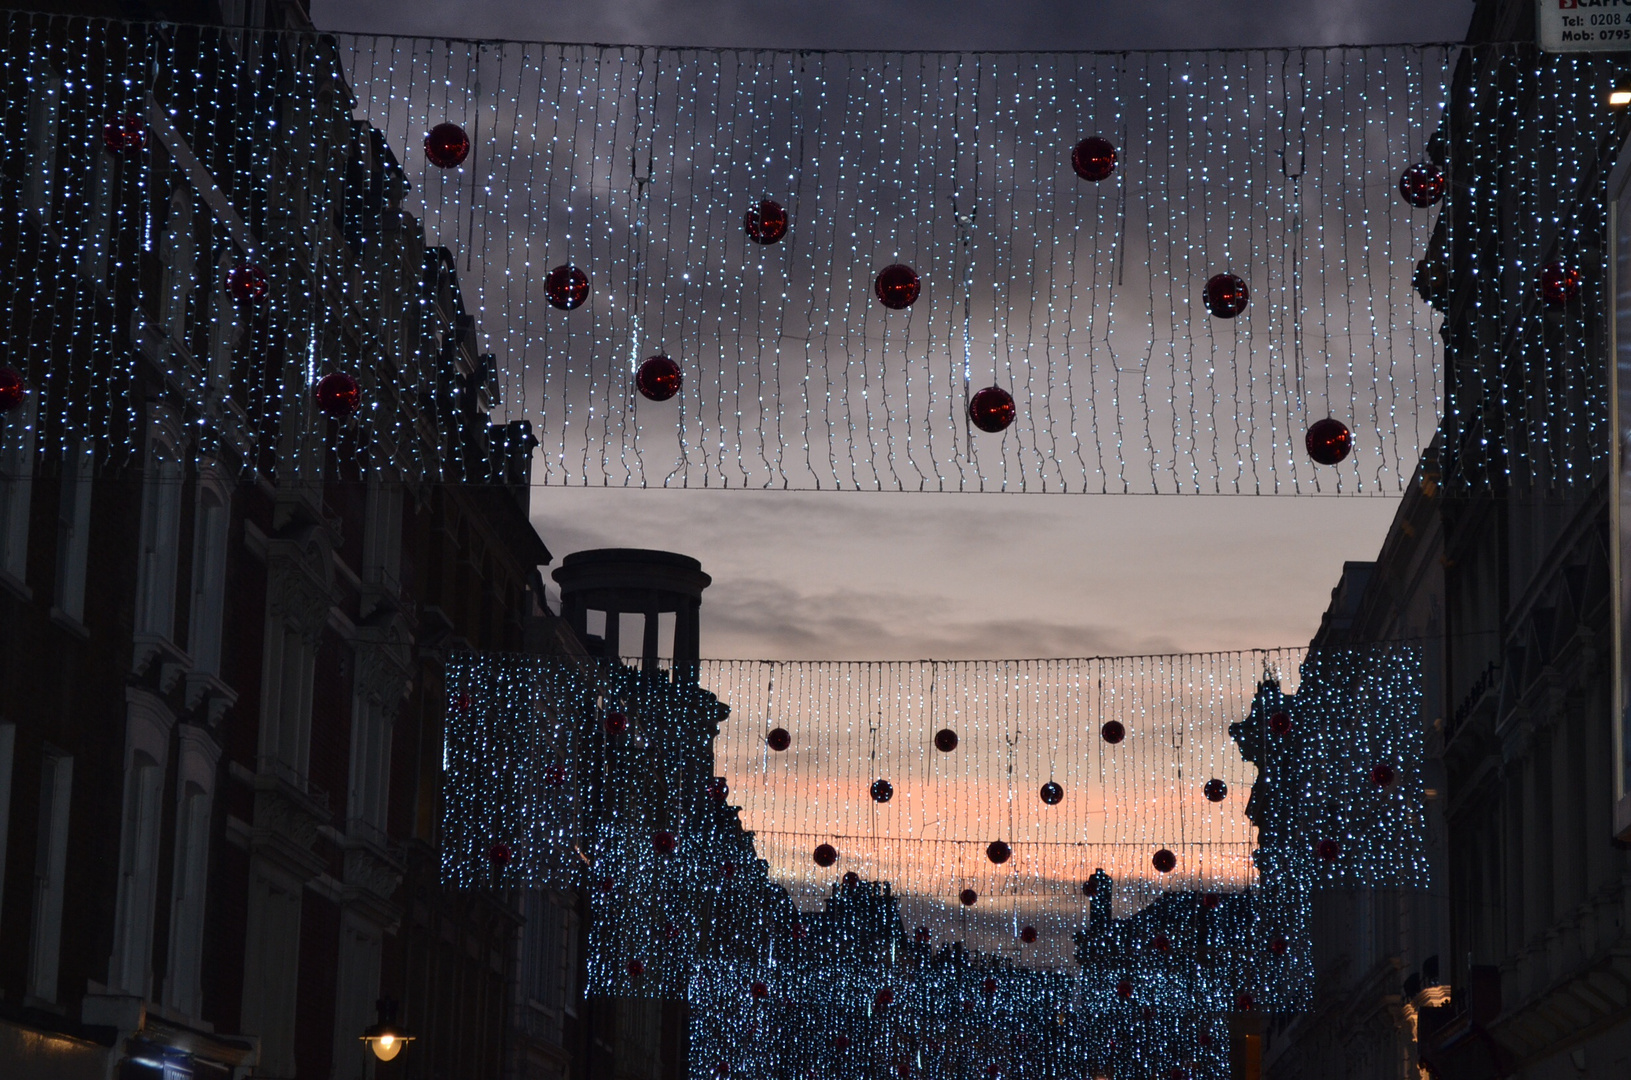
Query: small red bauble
1090, 887
607, 884
658, 379
1383, 775
766, 223
338, 394
1559, 284
1203, 1040
636, 968
779, 739
1244, 1002
1028, 934
11, 389
566, 287
1422, 184
998, 852
992, 409
989, 987
727, 870
1328, 441
851, 879
897, 287
718, 789
1164, 861
1215, 790
1210, 900
1052, 793
968, 1006
1161, 943
555, 776
825, 855
882, 791
462, 703
1280, 723
1124, 989
1112, 732
670, 931
800, 931
759, 990
1146, 1012
1277, 945
1329, 850
616, 723
1177, 1073
922, 935
945, 740
883, 997
1225, 295
840, 1042
903, 1068
446, 146
246, 281
664, 843
993, 1070
499, 854
1093, 159
967, 897
124, 135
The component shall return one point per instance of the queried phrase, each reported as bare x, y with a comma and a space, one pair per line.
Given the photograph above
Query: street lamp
1619, 97
385, 1039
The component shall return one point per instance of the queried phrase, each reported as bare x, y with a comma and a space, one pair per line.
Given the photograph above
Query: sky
825, 575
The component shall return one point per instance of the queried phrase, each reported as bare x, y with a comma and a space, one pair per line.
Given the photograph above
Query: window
16, 488
209, 578
138, 860
161, 525
50, 869
8, 746
187, 910
542, 979
73, 531
44, 102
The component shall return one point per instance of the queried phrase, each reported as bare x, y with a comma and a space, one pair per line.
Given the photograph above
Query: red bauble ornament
446, 146
851, 879
1093, 159
615, 723
1225, 296
759, 990
778, 739
945, 740
636, 968
897, 287
718, 789
566, 287
825, 855
1328, 850
1383, 775
1422, 184
727, 870
500, 854
125, 135
1052, 793
883, 997
1277, 945
607, 884
840, 1042
1244, 1002
882, 791
1161, 943
246, 282
989, 987
1164, 861
670, 931
658, 379
1203, 1040
1210, 900
1124, 989
1112, 732
993, 1070
1146, 1012
992, 409
664, 843
903, 1068
998, 852
462, 703
338, 395
1177, 1073
967, 897
1090, 887
1280, 723
1559, 284
1028, 934
555, 776
1215, 790
922, 935
766, 223
1328, 441
11, 389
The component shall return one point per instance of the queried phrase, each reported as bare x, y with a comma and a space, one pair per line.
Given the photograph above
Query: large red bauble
1383, 775
616, 723
1164, 861
840, 1042
718, 789
499, 854
766, 223
1027, 934
566, 287
759, 990
989, 987
897, 287
884, 997
945, 740
446, 146
1161, 943
636, 968
1113, 732
1277, 945
1052, 793
1124, 989
1090, 887
1559, 284
851, 879
1328, 441
246, 281
1280, 723
1328, 850
998, 852
825, 855
922, 935
903, 1068
1215, 790
11, 389
658, 379
1210, 900
967, 897
779, 739
1093, 159
727, 870
882, 791
992, 409
124, 135
338, 394
1225, 295
664, 843
1244, 1002
1422, 184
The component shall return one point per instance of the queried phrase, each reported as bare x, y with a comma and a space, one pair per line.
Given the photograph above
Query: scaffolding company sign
1584, 25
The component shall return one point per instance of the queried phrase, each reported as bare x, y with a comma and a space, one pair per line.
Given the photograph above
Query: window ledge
16, 584
69, 623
